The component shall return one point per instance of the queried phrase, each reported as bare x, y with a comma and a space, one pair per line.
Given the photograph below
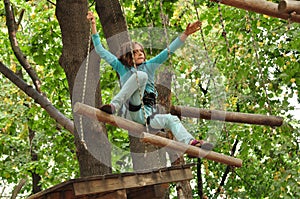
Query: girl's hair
125, 53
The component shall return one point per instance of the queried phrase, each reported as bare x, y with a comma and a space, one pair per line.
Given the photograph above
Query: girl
137, 76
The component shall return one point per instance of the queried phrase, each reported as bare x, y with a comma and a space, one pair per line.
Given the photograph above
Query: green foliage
253, 85
255, 69
39, 38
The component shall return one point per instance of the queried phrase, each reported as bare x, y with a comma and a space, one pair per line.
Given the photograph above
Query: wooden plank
126, 182
191, 150
148, 192
53, 195
260, 6
67, 194
227, 116
64, 186
119, 194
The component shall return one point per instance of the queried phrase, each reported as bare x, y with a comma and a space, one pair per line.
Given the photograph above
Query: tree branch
12, 31
51, 2
18, 188
227, 170
38, 97
20, 18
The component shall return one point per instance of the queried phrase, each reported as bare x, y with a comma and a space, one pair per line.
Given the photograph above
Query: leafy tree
253, 67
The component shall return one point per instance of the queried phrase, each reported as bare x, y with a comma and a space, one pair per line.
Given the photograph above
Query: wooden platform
149, 185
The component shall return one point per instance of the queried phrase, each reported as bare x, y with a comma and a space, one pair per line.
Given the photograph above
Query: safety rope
84, 86
202, 35
150, 27
164, 19
224, 33
258, 64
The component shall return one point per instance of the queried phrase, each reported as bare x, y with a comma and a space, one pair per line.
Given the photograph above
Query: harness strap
134, 108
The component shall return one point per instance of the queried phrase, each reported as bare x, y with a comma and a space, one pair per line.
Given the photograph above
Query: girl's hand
90, 16
191, 28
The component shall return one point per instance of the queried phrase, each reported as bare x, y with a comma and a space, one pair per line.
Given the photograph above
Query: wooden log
262, 7
134, 128
138, 129
191, 150
227, 116
289, 6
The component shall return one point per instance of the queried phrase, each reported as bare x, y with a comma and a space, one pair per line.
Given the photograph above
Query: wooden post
289, 6
138, 129
227, 116
191, 150
262, 7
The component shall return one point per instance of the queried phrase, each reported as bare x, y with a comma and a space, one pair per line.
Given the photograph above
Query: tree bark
113, 23
75, 30
36, 178
12, 30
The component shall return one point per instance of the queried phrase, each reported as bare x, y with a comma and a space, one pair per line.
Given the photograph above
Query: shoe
197, 143
203, 145
108, 108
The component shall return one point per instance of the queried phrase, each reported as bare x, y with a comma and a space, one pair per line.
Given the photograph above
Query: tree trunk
36, 178
75, 30
113, 23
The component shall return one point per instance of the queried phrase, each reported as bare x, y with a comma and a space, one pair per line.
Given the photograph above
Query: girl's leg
131, 90
137, 116
172, 122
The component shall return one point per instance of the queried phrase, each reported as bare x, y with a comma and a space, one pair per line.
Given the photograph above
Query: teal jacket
148, 66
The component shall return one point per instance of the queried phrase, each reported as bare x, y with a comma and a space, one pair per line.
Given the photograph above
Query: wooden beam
191, 150
262, 7
227, 116
289, 6
134, 128
137, 129
91, 186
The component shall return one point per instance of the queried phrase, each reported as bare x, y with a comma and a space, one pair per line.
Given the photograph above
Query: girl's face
139, 55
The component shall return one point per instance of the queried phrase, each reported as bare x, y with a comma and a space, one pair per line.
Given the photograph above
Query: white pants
132, 90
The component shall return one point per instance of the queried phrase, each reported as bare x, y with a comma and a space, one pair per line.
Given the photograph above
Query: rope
202, 35
150, 27
84, 87
164, 21
258, 64
224, 33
